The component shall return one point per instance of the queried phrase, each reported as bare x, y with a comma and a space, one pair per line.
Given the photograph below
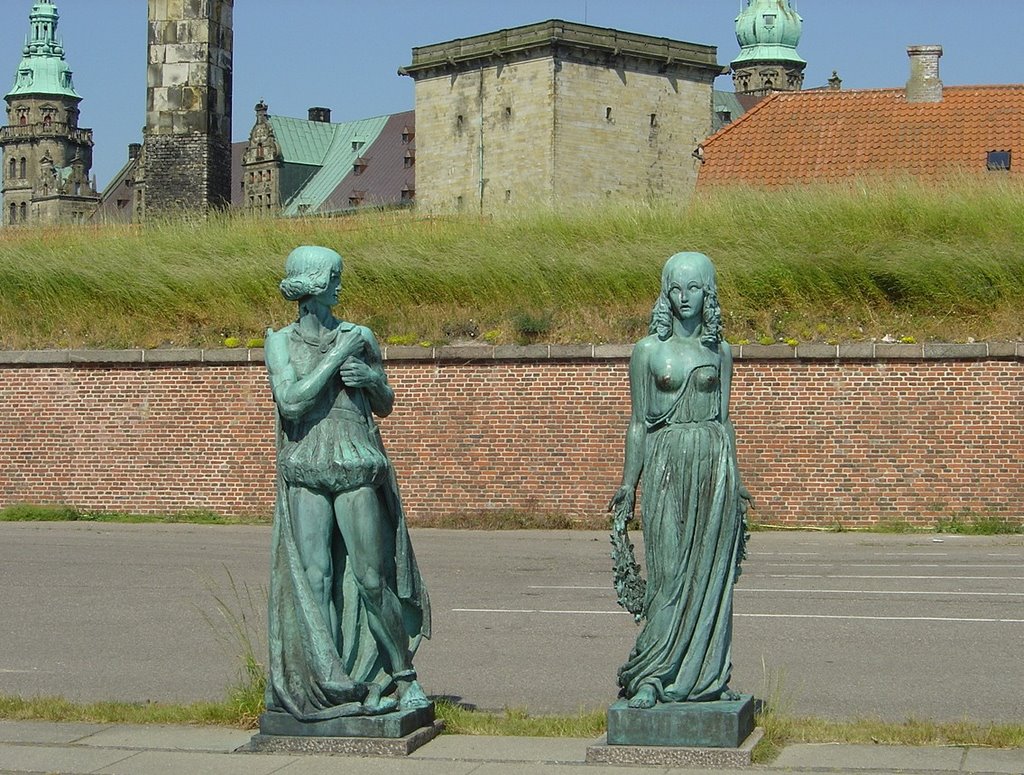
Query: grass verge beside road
780, 731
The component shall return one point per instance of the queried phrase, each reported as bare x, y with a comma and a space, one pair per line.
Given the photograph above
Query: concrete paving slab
45, 758
872, 757
45, 731
502, 749
990, 760
333, 765
171, 738
153, 762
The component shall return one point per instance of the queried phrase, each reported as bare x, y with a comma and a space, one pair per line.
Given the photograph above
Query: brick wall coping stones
855, 351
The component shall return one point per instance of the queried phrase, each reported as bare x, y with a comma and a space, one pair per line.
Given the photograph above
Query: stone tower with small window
557, 114
46, 155
768, 32
185, 164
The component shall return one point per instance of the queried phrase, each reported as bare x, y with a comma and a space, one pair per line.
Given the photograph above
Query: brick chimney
924, 84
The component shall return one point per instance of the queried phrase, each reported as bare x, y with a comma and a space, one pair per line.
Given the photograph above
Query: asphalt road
834, 625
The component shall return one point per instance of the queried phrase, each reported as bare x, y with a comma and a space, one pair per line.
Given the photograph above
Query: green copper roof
43, 69
301, 141
768, 30
332, 147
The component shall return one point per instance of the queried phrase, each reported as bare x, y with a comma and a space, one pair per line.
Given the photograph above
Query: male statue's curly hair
308, 271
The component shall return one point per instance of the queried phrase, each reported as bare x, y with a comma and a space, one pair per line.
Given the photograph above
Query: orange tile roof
830, 136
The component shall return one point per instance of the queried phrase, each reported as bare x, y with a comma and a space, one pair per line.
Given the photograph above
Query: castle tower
186, 150
768, 32
47, 156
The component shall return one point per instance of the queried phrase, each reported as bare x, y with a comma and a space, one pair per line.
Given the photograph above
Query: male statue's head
311, 271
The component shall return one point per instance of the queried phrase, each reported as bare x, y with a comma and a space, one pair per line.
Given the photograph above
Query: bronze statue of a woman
682, 444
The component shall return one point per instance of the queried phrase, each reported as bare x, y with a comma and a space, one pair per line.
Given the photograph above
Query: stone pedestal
677, 734
675, 756
389, 734
720, 724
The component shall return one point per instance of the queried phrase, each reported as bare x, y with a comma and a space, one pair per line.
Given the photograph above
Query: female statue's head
681, 271
311, 270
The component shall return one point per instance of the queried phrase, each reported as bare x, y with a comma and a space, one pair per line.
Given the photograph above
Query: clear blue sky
345, 55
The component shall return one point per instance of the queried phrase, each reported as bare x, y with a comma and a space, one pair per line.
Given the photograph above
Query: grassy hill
887, 260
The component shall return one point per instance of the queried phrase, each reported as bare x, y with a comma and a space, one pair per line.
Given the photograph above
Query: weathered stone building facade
186, 150
558, 113
47, 155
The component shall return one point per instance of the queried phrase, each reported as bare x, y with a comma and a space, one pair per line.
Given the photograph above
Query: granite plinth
674, 756
387, 725
719, 724
345, 746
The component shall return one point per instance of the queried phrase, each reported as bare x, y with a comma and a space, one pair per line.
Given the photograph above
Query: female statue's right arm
624, 500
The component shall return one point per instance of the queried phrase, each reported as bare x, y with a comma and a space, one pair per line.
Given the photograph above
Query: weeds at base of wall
31, 512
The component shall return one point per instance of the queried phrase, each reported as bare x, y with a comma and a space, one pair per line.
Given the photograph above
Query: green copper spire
768, 31
43, 69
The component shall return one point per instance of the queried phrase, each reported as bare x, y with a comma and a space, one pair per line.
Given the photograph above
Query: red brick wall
820, 441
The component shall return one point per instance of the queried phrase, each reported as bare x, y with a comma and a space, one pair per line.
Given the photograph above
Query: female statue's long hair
308, 271
711, 323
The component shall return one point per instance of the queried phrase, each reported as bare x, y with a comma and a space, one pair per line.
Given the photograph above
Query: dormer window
407, 134
357, 144
410, 159
998, 161
408, 194
359, 166
356, 198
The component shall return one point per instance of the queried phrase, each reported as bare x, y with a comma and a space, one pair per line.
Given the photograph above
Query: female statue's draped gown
693, 536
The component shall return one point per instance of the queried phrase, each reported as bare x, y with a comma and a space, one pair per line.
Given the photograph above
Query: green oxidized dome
43, 69
768, 30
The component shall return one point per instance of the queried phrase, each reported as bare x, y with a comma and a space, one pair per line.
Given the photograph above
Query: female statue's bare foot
729, 695
412, 696
644, 698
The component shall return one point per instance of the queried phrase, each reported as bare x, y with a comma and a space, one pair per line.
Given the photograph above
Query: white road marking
889, 565
882, 618
842, 576
608, 588
752, 616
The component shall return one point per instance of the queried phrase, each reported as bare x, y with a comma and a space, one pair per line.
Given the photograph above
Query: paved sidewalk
39, 747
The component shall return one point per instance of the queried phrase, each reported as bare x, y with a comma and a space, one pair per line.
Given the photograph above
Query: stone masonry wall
547, 135
627, 133
514, 105
826, 435
187, 156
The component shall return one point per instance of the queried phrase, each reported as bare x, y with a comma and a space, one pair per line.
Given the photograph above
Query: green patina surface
768, 30
43, 69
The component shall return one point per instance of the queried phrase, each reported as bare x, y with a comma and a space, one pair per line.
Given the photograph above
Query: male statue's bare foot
644, 698
375, 704
729, 695
412, 696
